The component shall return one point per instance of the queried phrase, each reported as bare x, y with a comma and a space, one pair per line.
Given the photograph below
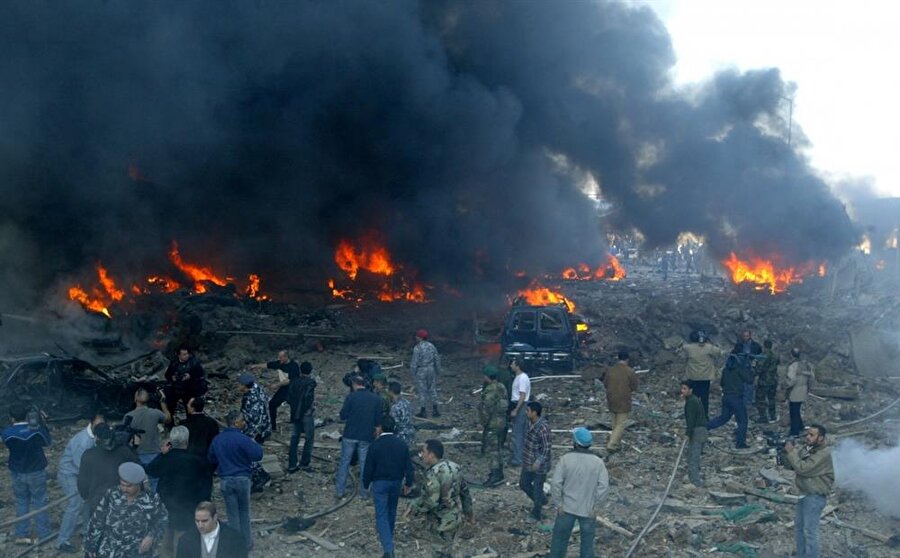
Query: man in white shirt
518, 397
212, 539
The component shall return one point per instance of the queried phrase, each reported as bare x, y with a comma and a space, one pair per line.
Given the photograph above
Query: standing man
201, 427
379, 387
99, 469
492, 412
147, 419
362, 413
580, 482
211, 538
425, 366
287, 372
535, 459
799, 379
815, 477
401, 412
620, 382
186, 379
67, 476
234, 454
700, 366
444, 501
302, 398
521, 393
695, 427
26, 439
766, 384
747, 349
734, 377
387, 467
129, 521
255, 408
185, 479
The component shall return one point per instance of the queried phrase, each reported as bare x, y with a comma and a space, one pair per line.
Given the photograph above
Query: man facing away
579, 482
387, 467
492, 413
815, 478
620, 382
362, 413
401, 412
147, 419
700, 366
302, 399
766, 384
26, 439
234, 453
518, 397
67, 476
211, 538
201, 427
425, 366
734, 377
99, 469
747, 349
695, 428
288, 371
799, 379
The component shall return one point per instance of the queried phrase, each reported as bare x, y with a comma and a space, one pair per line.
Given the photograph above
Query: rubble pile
746, 508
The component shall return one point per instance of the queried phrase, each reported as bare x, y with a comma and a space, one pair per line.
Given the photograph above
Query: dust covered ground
642, 313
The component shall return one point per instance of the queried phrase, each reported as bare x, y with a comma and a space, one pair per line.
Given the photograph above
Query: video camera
776, 441
124, 433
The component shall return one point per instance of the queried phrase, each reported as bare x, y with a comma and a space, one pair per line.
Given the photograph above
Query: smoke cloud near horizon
259, 134
871, 472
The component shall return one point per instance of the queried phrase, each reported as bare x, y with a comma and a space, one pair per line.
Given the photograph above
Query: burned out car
63, 387
540, 335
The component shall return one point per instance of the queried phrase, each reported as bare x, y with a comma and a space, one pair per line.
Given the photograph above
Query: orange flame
93, 304
823, 269
538, 296
370, 257
253, 289
99, 300
198, 274
765, 274
368, 254
612, 270
166, 284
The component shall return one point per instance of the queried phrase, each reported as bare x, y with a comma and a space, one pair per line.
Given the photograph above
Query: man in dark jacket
748, 350
211, 538
734, 377
288, 371
99, 469
695, 428
26, 439
302, 398
185, 480
362, 411
387, 466
202, 427
186, 379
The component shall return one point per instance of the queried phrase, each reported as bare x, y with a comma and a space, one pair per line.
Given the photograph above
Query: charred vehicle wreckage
541, 335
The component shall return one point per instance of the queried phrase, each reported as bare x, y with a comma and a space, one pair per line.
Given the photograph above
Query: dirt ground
643, 313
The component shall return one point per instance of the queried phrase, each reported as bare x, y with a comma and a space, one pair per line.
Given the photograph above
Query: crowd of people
136, 494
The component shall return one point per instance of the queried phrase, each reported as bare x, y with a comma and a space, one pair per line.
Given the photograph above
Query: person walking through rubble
26, 439
186, 379
146, 419
518, 397
536, 459
766, 384
302, 399
579, 483
288, 370
67, 476
492, 413
800, 377
379, 388
734, 377
388, 471
747, 350
814, 478
362, 413
234, 454
401, 412
444, 501
129, 520
255, 409
700, 366
695, 428
620, 382
425, 366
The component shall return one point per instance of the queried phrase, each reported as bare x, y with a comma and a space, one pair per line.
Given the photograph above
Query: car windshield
551, 320
523, 321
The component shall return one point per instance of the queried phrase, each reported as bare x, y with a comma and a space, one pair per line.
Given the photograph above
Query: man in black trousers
387, 467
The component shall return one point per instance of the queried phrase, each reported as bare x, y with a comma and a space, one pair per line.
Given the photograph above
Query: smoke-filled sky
258, 134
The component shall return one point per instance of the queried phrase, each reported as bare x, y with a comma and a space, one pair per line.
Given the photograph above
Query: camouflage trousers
765, 400
492, 438
426, 388
441, 538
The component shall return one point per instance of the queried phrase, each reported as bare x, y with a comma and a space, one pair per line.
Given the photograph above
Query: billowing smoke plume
260, 133
872, 472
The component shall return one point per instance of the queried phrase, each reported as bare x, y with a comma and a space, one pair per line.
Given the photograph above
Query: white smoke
873, 472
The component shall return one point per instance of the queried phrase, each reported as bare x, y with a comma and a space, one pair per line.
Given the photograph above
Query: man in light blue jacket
67, 476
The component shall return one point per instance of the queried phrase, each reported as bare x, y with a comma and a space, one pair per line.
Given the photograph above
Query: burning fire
369, 254
866, 245
612, 270
538, 295
198, 274
891, 242
766, 274
100, 297
253, 289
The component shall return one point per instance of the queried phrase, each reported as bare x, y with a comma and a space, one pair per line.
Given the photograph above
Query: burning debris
767, 274
386, 281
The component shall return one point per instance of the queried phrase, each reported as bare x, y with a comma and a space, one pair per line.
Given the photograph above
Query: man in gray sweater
579, 483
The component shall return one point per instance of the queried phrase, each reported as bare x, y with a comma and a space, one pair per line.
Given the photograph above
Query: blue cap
582, 436
246, 379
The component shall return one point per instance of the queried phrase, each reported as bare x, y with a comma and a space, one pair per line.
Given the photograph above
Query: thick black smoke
258, 134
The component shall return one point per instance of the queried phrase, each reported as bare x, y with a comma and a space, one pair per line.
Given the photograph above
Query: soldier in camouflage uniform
425, 367
129, 520
402, 415
445, 500
257, 423
379, 386
492, 412
766, 384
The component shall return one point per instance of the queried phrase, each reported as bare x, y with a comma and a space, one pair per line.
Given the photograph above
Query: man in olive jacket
620, 382
815, 477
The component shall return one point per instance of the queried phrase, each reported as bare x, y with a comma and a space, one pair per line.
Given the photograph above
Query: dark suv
540, 335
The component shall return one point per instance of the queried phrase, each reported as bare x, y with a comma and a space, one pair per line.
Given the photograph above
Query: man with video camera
815, 477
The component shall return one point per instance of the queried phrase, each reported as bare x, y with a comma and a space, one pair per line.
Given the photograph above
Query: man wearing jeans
815, 477
362, 411
734, 377
148, 419
578, 484
234, 454
535, 459
67, 475
302, 398
387, 466
26, 440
